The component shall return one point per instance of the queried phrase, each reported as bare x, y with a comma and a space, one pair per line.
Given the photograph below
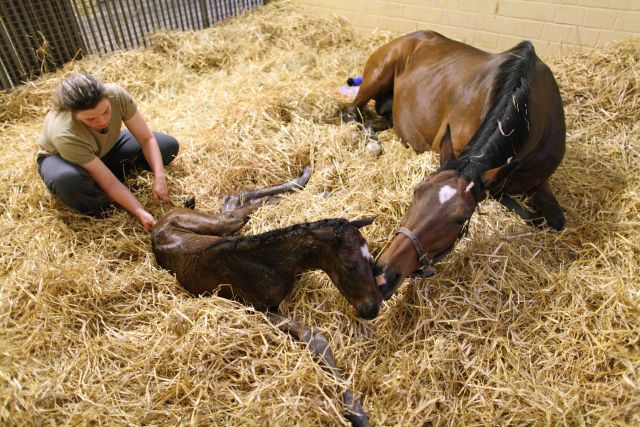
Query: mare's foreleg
252, 199
544, 202
546, 209
319, 345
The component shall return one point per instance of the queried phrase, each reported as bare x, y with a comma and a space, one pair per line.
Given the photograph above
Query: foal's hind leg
257, 197
320, 346
222, 224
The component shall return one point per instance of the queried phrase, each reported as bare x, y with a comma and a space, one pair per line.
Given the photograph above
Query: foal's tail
190, 202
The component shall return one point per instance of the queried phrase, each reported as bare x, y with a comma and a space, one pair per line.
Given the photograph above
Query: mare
261, 269
497, 122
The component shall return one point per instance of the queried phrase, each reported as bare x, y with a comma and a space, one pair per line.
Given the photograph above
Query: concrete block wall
554, 26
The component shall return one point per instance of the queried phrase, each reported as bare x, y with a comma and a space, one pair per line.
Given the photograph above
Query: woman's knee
79, 192
168, 146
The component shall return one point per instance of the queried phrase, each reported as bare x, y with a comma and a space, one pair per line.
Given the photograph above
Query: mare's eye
460, 221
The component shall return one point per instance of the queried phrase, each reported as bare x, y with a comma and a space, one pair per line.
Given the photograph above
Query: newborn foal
262, 269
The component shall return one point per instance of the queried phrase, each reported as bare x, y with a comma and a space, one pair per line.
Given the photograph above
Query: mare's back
444, 81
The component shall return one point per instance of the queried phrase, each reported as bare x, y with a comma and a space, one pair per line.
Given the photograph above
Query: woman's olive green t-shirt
77, 143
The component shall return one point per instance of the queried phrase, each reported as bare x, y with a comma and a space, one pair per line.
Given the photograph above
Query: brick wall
552, 25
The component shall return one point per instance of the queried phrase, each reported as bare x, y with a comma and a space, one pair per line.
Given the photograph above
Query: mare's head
346, 259
442, 206
438, 215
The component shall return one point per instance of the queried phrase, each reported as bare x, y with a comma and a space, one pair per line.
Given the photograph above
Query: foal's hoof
302, 180
230, 203
190, 203
355, 412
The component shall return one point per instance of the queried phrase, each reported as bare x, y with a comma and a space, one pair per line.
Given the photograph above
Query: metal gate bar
38, 36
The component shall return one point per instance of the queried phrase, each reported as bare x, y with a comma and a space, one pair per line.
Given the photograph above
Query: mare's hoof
374, 148
556, 221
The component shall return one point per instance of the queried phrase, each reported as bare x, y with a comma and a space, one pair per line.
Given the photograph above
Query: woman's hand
118, 192
143, 134
160, 191
146, 219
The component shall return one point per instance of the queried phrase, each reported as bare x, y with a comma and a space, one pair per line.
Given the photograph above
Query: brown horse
496, 120
261, 269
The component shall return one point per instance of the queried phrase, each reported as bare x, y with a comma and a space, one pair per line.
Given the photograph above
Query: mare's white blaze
446, 193
365, 251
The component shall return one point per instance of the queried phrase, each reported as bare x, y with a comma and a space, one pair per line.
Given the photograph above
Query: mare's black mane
506, 126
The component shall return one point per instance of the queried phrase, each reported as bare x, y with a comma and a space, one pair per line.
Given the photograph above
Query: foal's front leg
319, 345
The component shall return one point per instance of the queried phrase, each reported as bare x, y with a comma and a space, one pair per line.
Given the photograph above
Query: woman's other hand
160, 191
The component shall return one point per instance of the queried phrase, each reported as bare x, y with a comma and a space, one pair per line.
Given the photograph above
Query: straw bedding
519, 326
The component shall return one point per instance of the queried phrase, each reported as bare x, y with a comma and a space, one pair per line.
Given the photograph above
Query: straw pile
519, 326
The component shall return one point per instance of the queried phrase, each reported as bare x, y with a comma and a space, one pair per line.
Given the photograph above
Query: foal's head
346, 259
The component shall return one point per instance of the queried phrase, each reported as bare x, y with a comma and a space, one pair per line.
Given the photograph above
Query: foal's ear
359, 223
446, 148
494, 177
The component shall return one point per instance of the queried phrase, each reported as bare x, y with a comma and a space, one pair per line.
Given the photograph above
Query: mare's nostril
390, 286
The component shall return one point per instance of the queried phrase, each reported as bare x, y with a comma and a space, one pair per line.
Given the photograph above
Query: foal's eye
460, 221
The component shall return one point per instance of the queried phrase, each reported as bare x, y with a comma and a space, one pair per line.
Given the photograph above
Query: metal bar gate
37, 36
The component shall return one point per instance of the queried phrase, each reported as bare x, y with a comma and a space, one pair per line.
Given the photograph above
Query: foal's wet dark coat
261, 270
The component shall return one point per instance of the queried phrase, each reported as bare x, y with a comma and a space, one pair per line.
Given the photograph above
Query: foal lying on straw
262, 269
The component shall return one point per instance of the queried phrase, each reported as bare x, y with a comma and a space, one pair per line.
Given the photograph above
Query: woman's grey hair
79, 91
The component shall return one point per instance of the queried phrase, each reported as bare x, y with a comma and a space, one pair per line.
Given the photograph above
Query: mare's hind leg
546, 209
384, 121
319, 345
377, 83
253, 198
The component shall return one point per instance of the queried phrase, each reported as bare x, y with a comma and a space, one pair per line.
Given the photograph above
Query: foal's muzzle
369, 312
